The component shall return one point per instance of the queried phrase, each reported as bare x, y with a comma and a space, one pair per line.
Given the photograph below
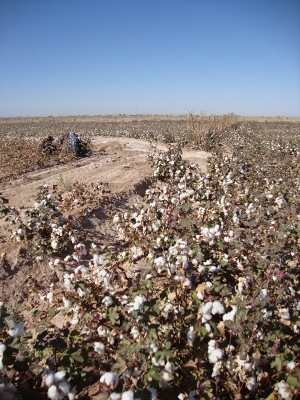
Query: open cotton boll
169, 367
49, 381
107, 301
207, 308
138, 302
2, 349
53, 393
263, 294
50, 297
16, 329
251, 383
110, 379
96, 260
135, 332
215, 355
64, 387
128, 395
59, 376
284, 390
191, 335
67, 303
217, 308
54, 244
231, 314
99, 348
115, 396
216, 369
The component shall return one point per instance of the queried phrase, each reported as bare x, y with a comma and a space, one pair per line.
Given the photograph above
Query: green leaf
77, 358
292, 381
35, 369
87, 317
154, 374
113, 315
277, 364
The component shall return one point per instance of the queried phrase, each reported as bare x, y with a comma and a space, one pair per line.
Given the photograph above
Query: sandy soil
120, 162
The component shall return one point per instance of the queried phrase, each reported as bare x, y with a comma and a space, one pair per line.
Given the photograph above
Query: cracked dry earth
121, 163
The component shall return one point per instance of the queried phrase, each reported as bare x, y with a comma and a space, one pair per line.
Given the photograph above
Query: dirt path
120, 162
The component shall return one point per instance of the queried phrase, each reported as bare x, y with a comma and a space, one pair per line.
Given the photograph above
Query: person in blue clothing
74, 143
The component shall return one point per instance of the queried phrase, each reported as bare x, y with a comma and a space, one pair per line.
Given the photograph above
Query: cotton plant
217, 307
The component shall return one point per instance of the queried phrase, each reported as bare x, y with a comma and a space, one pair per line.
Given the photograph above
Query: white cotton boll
54, 394
64, 387
2, 349
16, 330
215, 355
67, 303
81, 269
260, 335
207, 308
200, 295
72, 394
231, 314
191, 335
54, 244
75, 320
135, 332
169, 367
110, 379
164, 383
159, 241
116, 219
2, 367
59, 376
83, 292
107, 301
49, 381
212, 344
185, 262
251, 383
50, 297
138, 302
128, 395
115, 396
99, 348
208, 329
160, 262
292, 290
263, 294
291, 365
217, 308
284, 390
216, 369
85, 330
96, 260
102, 332
283, 313
206, 317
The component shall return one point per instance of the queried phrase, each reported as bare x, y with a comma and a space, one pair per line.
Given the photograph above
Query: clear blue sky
74, 57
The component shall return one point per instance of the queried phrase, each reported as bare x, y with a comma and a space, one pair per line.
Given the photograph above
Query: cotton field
199, 298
